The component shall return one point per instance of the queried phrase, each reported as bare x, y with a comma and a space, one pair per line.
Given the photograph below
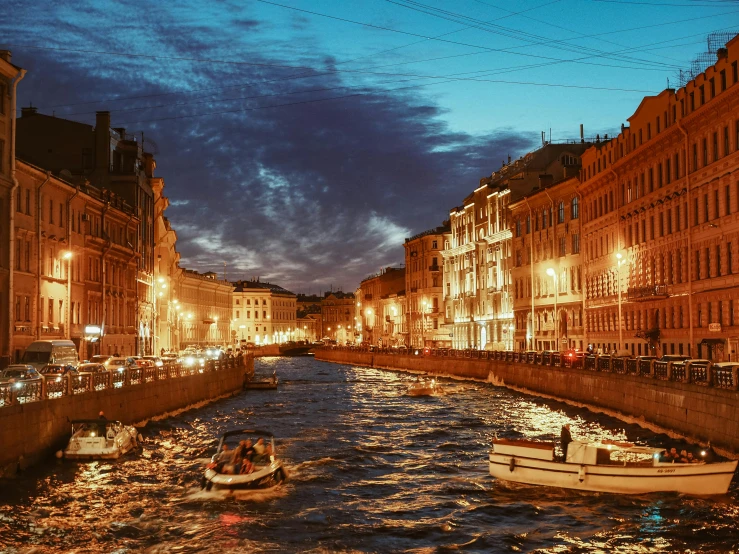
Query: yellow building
547, 271
203, 307
264, 313
660, 229
338, 320
424, 312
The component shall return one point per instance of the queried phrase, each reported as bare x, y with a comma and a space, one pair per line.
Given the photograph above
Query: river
371, 470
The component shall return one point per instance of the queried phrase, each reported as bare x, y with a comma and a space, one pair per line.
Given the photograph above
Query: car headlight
18, 385
159, 363
189, 360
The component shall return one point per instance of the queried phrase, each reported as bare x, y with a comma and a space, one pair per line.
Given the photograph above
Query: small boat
263, 384
425, 387
608, 466
265, 471
100, 439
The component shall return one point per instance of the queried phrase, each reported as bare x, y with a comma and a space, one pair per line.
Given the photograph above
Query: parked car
51, 370
156, 360
18, 372
92, 368
674, 358
99, 359
121, 363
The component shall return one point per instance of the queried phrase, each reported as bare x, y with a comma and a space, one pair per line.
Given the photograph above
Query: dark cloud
303, 195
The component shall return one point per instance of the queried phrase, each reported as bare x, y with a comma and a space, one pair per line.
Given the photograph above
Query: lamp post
620, 261
67, 319
553, 275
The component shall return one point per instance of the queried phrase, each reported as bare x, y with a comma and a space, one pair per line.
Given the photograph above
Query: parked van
42, 352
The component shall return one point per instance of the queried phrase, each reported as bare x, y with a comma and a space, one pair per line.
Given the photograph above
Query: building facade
379, 308
113, 161
10, 76
424, 280
204, 309
264, 313
338, 320
75, 266
547, 271
660, 229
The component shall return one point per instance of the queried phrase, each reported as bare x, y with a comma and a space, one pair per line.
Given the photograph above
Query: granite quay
693, 398
47, 405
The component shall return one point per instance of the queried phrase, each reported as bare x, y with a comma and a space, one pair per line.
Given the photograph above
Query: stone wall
29, 432
698, 412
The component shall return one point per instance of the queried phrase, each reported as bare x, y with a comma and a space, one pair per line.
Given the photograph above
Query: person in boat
259, 450
101, 415
565, 438
683, 457
692, 459
224, 462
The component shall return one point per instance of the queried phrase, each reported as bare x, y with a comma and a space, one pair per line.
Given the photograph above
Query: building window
27, 307
18, 308
704, 144
434, 245
562, 245
51, 311
561, 212
575, 208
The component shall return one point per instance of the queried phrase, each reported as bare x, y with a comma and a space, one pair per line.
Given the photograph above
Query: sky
301, 141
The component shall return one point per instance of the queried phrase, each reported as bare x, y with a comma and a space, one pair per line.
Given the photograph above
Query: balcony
434, 268
647, 293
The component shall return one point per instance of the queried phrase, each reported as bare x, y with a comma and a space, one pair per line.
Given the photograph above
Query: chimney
720, 53
29, 111
545, 180
509, 158
5, 54
582, 134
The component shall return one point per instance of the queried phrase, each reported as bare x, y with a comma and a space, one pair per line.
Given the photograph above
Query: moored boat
225, 472
100, 439
425, 387
609, 466
263, 384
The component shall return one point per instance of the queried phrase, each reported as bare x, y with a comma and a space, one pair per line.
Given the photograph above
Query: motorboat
607, 466
100, 439
424, 387
262, 472
263, 384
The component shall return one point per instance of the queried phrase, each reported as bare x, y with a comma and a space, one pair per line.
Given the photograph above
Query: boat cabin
610, 453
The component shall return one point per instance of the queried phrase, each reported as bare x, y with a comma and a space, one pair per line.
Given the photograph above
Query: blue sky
302, 141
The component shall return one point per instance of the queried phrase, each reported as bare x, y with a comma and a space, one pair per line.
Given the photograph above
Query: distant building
338, 319
204, 318
381, 305
424, 280
264, 313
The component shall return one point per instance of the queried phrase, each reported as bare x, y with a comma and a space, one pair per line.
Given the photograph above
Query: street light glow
550, 272
67, 255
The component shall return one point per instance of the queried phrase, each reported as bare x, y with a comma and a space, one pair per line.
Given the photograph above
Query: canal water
371, 470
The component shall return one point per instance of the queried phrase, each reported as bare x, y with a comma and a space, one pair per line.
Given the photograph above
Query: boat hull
98, 448
694, 479
264, 478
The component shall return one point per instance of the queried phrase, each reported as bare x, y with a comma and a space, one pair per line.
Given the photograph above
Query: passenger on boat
566, 439
259, 449
683, 457
692, 459
224, 462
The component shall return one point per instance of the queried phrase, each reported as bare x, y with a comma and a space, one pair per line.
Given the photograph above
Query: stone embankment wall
31, 431
698, 412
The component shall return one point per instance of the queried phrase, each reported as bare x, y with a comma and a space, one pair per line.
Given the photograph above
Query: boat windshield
90, 430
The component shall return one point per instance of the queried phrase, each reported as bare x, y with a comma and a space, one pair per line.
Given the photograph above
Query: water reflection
371, 469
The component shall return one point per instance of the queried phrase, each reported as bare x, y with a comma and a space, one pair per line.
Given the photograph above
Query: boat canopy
579, 452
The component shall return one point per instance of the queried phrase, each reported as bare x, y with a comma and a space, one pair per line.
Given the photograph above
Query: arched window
561, 212
575, 208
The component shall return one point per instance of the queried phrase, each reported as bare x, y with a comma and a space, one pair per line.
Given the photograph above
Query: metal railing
51, 387
698, 372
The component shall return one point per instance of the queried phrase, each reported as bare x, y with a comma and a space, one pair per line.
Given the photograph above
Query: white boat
425, 387
610, 466
100, 439
266, 471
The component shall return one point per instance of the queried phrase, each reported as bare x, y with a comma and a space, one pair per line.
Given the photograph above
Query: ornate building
660, 231
424, 281
338, 321
264, 313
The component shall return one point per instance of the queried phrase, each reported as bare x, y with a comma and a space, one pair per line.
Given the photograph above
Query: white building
264, 313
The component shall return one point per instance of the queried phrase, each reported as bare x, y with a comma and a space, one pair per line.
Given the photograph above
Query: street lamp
67, 255
620, 261
553, 275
